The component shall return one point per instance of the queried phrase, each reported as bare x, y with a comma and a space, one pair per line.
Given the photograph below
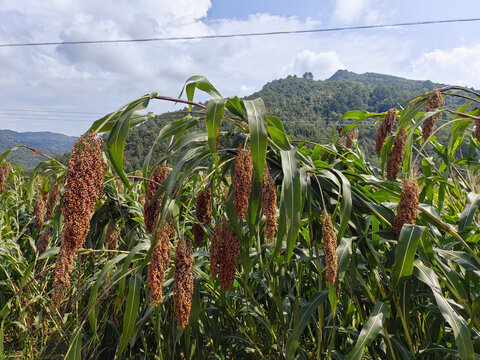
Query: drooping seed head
152, 208
61, 281
352, 135
82, 190
40, 210
53, 197
43, 241
269, 205
229, 256
4, 171
435, 101
83, 186
216, 245
183, 289
477, 129
119, 184
242, 185
385, 129
203, 204
111, 238
159, 262
394, 162
198, 234
408, 206
329, 239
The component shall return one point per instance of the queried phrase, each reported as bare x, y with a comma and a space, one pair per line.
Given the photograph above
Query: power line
42, 115
220, 36
51, 111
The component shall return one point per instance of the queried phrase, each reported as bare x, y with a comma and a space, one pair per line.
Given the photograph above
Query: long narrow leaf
369, 331
458, 324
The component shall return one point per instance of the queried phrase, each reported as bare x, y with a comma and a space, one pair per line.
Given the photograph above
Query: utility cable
222, 36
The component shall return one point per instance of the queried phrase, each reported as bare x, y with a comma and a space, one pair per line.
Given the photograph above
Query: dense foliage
310, 110
359, 266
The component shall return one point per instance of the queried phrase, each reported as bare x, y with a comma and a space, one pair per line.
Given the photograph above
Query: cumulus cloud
322, 64
347, 12
453, 66
101, 77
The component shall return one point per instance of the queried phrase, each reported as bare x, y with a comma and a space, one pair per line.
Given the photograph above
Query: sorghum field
242, 244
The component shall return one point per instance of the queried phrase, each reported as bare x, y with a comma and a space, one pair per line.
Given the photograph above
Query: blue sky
65, 88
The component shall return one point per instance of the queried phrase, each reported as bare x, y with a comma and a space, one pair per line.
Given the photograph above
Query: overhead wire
252, 34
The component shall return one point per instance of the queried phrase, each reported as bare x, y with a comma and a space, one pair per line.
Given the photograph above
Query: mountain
309, 109
49, 143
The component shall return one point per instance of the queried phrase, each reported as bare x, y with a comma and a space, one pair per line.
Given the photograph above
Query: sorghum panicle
394, 162
269, 205
83, 187
4, 171
203, 206
477, 129
61, 281
152, 208
43, 240
111, 238
408, 206
159, 262
435, 101
119, 184
198, 234
40, 210
230, 252
216, 249
242, 185
352, 135
53, 197
183, 289
329, 239
385, 129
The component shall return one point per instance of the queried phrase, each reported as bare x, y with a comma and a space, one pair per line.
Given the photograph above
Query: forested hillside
48, 143
309, 109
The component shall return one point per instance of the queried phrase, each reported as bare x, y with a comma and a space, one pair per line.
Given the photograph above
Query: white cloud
356, 11
459, 66
322, 64
102, 77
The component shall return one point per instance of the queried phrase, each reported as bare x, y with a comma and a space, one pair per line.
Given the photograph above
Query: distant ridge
47, 142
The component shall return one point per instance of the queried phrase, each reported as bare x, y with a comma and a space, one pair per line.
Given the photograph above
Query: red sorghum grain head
83, 186
242, 185
119, 185
183, 289
63, 269
159, 262
43, 241
216, 245
477, 129
408, 206
269, 205
111, 238
329, 239
203, 206
385, 129
229, 255
40, 210
53, 197
435, 101
394, 162
152, 208
198, 234
4, 171
352, 135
